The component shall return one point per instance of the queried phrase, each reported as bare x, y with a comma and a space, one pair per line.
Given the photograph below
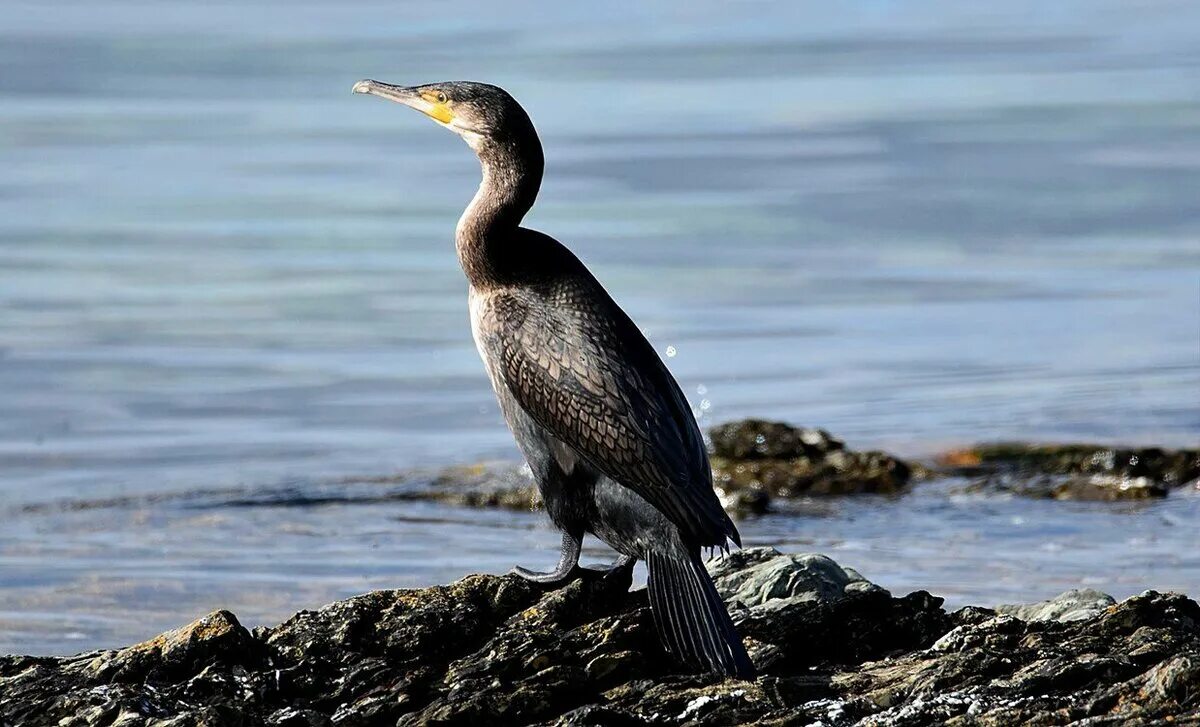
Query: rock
831, 648
1074, 471
202, 659
765, 578
1104, 488
1092, 488
782, 461
745, 502
217, 638
759, 439
1073, 605
1003, 671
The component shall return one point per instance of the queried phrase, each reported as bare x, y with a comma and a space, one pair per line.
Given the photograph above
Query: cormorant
609, 436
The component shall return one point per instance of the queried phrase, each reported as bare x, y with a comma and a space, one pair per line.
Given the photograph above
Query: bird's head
478, 112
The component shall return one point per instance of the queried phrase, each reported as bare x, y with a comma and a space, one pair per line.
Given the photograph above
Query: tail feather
691, 618
711, 640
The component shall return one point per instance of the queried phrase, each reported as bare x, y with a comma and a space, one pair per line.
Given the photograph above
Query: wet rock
1088, 488
1073, 605
782, 461
1171, 467
831, 648
1104, 488
744, 502
1074, 471
759, 439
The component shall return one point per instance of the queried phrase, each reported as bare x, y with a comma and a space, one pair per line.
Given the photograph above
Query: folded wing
581, 368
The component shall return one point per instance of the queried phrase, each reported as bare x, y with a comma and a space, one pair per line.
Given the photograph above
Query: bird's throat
512, 175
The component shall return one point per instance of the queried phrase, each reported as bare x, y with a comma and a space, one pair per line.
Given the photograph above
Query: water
916, 225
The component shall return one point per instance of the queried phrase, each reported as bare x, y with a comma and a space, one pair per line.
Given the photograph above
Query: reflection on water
917, 225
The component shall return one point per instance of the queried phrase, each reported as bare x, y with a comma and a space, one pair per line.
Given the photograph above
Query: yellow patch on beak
435, 109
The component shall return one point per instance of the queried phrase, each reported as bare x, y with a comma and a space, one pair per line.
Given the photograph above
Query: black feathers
691, 618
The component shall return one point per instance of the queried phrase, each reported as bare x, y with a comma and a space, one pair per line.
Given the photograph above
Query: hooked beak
408, 96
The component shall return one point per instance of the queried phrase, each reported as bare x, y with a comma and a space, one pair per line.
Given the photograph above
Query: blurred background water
917, 224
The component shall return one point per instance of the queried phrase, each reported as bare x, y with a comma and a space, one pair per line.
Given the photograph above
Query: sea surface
229, 301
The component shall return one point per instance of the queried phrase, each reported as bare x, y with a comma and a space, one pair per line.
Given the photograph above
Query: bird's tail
691, 618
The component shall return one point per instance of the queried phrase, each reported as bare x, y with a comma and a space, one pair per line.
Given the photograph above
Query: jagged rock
1073, 605
831, 648
1074, 471
1003, 671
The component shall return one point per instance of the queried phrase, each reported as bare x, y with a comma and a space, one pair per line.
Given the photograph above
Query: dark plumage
608, 435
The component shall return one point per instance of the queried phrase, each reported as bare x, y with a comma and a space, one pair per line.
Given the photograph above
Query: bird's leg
568, 563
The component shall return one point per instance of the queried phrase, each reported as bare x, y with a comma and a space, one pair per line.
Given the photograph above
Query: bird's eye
441, 97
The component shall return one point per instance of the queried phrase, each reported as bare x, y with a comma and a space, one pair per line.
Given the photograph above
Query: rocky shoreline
832, 649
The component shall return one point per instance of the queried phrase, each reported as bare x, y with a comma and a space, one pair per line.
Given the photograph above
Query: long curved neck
512, 174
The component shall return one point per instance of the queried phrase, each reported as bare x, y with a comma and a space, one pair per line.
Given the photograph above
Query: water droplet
705, 405
670, 352
701, 389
